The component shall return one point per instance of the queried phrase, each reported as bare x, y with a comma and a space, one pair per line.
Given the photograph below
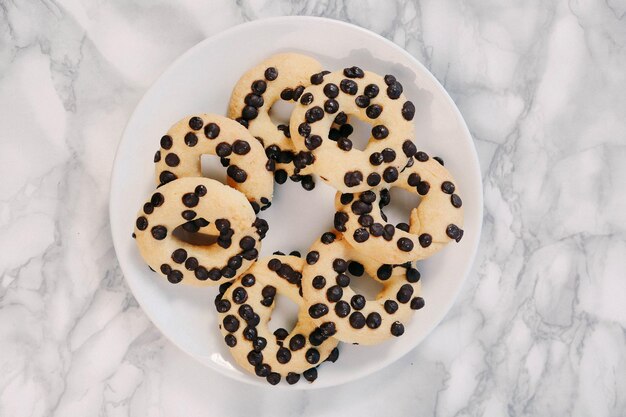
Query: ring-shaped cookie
245, 308
281, 76
221, 210
248, 169
333, 303
436, 221
370, 97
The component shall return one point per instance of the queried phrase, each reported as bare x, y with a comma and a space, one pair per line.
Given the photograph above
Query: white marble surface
539, 328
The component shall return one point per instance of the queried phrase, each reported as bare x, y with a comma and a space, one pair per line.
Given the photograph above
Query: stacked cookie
256, 154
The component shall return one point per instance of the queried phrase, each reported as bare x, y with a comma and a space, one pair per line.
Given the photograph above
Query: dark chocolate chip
348, 86
414, 179
389, 79
191, 264
318, 310
231, 323
371, 90
344, 144
254, 100
357, 302
167, 176
280, 176
417, 303
454, 232
353, 178
357, 320
412, 275
310, 374
421, 156
391, 306
241, 147
342, 280
364, 101
141, 223
190, 140
374, 111
456, 200
319, 282
409, 148
306, 99
408, 110
376, 229
373, 179
402, 226
423, 188
159, 232
384, 272
425, 240
313, 142
341, 118
361, 235
373, 320
271, 74
331, 90
312, 356
255, 358
328, 238
405, 293
394, 90
157, 156
259, 86
346, 198
390, 174
342, 309
211, 130
166, 142
331, 106
397, 329
190, 200
380, 132
179, 255
447, 187
237, 174
366, 220
405, 244
353, 72
292, 378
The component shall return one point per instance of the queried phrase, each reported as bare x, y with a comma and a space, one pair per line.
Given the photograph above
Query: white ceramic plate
201, 81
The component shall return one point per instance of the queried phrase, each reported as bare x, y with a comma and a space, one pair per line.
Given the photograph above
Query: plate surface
201, 81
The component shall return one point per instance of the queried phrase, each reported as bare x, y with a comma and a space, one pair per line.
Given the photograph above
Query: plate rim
383, 363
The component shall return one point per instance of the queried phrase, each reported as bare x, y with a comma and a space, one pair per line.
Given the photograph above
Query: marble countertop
540, 326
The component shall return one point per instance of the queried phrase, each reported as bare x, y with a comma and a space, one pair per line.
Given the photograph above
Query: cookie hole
212, 168
280, 112
356, 130
400, 206
285, 314
365, 285
198, 238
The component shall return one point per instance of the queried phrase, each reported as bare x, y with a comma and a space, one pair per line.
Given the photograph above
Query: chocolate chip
318, 282
314, 114
360, 207
235, 262
292, 378
356, 269
346, 198
306, 99
165, 269
259, 344
190, 200
353, 178
255, 358
157, 156
241, 147
254, 100
179, 255
237, 174
397, 329
310, 374
342, 309
388, 232
412, 275
363, 101
331, 106
390, 174
333, 356
454, 232
373, 179
167, 176
313, 142
361, 235
281, 334
417, 303
250, 255
436, 158
318, 310
340, 265
348, 86
366, 220
231, 323
274, 264
425, 240
389, 79
249, 113
371, 90
423, 188
271, 74
331, 90
283, 355
404, 293
391, 306
286, 94
389, 155
312, 356
384, 272
357, 302
409, 148
259, 86
374, 111
280, 176
376, 229
421, 156
342, 280
341, 118
340, 221
357, 320
344, 144
211, 131
394, 90
334, 293
373, 320
402, 226
346, 130
380, 132
405, 244
159, 232
262, 370
408, 110
317, 79
297, 92
228, 272
222, 224
175, 277
191, 264
142, 223
353, 72
456, 201
201, 273
166, 142
242, 122
414, 179
447, 187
